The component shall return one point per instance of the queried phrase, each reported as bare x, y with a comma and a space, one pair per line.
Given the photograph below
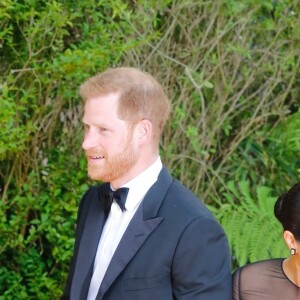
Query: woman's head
287, 210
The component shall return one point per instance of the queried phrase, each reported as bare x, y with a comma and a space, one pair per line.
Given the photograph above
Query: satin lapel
134, 236
95, 220
144, 222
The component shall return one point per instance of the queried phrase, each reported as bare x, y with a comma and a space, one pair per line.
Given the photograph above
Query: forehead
102, 110
103, 103
104, 99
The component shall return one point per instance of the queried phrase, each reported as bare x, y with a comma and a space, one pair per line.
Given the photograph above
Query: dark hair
287, 210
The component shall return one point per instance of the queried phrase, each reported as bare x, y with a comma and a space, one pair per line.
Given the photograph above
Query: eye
103, 129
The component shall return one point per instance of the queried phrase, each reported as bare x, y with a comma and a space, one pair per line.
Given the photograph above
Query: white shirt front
117, 222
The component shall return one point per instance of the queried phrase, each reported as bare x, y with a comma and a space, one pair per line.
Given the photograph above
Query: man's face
108, 141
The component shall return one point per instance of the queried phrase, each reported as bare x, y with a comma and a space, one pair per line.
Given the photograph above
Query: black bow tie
118, 195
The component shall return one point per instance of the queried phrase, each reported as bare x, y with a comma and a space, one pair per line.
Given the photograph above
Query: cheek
114, 145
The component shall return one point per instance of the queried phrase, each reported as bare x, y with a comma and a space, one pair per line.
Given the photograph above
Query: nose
89, 140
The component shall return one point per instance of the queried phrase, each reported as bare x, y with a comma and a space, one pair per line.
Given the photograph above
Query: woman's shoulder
261, 267
260, 272
262, 279
274, 262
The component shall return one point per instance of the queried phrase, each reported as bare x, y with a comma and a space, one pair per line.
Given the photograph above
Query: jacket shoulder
181, 197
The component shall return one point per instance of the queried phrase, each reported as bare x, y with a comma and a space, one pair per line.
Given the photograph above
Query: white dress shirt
117, 223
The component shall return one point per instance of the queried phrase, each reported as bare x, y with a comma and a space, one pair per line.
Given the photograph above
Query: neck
134, 172
291, 268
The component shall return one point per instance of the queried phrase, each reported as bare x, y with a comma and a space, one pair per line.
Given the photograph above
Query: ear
290, 239
144, 130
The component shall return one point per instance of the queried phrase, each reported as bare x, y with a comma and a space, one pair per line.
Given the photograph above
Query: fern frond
249, 222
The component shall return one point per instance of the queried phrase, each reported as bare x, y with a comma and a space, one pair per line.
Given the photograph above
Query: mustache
94, 153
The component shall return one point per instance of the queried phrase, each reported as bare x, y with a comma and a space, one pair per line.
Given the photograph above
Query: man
164, 243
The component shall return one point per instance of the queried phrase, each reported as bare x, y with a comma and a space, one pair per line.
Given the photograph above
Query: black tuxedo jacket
173, 248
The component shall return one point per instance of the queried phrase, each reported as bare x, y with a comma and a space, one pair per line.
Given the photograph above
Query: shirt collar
140, 185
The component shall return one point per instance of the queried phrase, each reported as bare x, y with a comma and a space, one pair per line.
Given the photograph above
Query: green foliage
249, 222
13, 134
270, 155
267, 157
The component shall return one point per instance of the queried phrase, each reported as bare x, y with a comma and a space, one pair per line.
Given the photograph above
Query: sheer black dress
264, 280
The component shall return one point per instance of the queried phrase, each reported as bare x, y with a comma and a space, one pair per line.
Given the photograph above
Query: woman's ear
290, 239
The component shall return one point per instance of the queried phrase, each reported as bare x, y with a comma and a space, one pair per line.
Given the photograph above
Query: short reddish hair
141, 96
